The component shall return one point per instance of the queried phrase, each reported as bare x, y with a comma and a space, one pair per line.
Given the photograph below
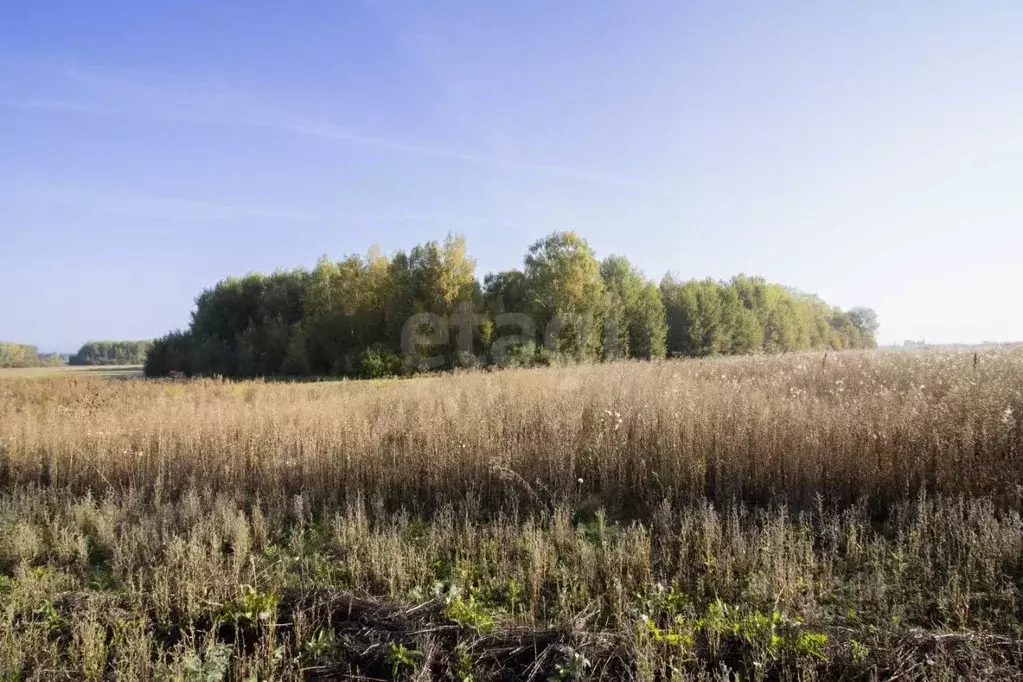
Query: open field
108, 371
854, 516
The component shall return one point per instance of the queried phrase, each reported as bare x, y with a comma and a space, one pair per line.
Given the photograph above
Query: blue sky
870, 152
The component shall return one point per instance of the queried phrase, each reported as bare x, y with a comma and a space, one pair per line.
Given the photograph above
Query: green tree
505, 292
866, 323
111, 353
437, 279
844, 332
18, 355
745, 334
696, 324
648, 325
296, 357
565, 294
357, 316
170, 354
341, 315
634, 311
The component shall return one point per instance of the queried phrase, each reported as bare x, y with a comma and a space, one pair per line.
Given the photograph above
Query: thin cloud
122, 95
327, 131
181, 209
56, 105
124, 204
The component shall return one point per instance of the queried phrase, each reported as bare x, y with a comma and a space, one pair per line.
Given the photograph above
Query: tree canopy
111, 353
374, 315
565, 294
18, 355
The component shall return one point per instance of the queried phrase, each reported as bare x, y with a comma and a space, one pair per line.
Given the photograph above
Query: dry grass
772, 516
108, 371
880, 426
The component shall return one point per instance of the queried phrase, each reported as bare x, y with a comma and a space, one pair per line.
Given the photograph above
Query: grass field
855, 516
108, 371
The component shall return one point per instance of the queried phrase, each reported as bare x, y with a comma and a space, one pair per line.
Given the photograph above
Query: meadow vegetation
798, 516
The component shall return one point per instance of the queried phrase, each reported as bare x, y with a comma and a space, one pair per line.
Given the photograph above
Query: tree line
373, 315
19, 355
111, 353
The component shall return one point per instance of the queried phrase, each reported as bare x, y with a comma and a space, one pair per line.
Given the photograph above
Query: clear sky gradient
870, 152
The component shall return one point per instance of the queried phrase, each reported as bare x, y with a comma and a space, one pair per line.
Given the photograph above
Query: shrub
171, 354
376, 363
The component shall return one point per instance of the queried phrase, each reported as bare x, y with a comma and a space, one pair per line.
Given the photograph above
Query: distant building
914, 344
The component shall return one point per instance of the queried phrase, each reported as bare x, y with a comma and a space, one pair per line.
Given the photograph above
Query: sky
870, 152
